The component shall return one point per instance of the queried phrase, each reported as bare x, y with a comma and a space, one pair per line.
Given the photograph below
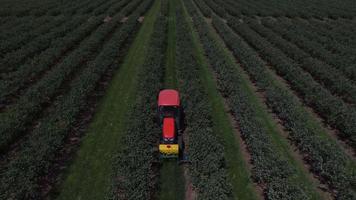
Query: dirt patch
209, 20
140, 19
190, 193
123, 20
107, 19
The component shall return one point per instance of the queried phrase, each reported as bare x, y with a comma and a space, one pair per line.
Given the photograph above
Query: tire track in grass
88, 177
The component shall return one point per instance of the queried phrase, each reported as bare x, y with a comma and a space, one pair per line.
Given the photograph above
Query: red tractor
170, 114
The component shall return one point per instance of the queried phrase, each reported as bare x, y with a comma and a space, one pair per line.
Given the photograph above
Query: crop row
204, 8
326, 158
134, 176
304, 28
208, 175
11, 60
28, 72
342, 45
18, 116
331, 108
276, 175
22, 25
337, 29
23, 8
19, 38
20, 176
328, 76
278, 8
53, 8
345, 64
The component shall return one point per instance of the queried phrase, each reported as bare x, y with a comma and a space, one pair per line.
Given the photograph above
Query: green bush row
326, 158
277, 8
204, 8
329, 77
335, 112
270, 168
16, 80
315, 33
20, 177
12, 59
29, 105
344, 64
135, 176
26, 73
17, 118
208, 167
15, 37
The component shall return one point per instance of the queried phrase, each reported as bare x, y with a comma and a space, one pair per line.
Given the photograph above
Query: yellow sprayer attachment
169, 150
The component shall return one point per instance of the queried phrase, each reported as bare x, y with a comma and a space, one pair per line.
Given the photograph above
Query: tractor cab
169, 107
170, 120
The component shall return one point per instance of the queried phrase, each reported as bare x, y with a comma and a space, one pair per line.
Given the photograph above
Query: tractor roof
168, 97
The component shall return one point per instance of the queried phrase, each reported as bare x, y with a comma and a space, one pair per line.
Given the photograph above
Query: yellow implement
169, 149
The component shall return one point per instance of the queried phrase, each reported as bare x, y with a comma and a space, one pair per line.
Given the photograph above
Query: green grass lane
171, 179
89, 175
238, 172
170, 73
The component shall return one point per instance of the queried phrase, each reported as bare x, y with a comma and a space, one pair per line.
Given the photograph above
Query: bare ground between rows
190, 192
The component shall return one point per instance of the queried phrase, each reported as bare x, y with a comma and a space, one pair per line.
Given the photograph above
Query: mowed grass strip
238, 173
171, 178
89, 175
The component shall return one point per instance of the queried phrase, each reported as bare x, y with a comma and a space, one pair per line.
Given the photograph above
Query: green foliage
134, 171
315, 8
276, 175
20, 177
336, 112
323, 73
326, 158
208, 169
